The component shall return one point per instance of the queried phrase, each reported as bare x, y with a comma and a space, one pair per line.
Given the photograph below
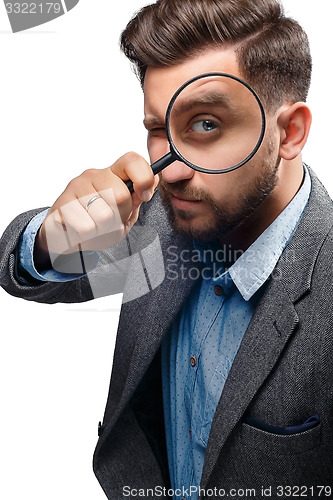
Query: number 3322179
33, 8
304, 491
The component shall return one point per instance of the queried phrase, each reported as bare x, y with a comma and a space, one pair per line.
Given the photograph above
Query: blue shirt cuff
83, 262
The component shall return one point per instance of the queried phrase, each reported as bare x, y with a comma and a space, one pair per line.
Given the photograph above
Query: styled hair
273, 50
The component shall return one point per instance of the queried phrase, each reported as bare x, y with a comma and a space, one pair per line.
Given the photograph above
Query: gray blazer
282, 374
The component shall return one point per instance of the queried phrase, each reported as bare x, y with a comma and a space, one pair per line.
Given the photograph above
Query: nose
177, 171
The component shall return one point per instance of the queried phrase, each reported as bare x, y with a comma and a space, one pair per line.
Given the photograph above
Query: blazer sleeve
108, 277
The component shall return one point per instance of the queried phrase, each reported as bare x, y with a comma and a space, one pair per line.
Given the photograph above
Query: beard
223, 219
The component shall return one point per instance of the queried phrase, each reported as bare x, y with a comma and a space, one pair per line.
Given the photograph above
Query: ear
294, 122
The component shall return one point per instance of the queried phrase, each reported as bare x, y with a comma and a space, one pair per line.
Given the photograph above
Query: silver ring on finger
91, 201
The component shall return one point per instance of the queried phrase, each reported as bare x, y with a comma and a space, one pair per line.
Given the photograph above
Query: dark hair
273, 50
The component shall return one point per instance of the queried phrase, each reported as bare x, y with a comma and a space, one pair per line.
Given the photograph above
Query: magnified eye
204, 126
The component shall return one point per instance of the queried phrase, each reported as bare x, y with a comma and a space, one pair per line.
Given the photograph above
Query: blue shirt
201, 345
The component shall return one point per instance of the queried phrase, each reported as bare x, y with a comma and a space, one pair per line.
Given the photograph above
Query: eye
202, 126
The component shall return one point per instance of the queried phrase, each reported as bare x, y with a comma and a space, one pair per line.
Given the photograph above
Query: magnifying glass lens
215, 123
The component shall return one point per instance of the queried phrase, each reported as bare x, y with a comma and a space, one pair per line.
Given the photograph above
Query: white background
69, 101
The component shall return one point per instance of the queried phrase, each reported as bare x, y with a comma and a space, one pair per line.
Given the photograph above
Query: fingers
133, 167
74, 227
96, 210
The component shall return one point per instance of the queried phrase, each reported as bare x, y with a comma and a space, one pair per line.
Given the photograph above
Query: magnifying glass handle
156, 167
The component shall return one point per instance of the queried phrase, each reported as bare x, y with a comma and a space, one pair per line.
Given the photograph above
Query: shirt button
193, 361
218, 290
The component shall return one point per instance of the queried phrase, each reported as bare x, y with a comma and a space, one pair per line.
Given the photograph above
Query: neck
290, 178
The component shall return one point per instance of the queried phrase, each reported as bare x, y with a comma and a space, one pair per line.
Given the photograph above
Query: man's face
205, 206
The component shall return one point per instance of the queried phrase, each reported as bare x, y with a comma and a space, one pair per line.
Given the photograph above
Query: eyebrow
150, 121
212, 98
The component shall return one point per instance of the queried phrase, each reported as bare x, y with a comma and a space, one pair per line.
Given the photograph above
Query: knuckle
89, 173
84, 179
132, 157
74, 184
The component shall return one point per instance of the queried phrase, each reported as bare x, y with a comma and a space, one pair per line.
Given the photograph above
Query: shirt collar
256, 264
253, 268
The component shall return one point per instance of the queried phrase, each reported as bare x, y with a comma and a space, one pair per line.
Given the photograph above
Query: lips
183, 198
183, 202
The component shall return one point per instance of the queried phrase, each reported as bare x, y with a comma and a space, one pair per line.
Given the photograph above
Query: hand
71, 226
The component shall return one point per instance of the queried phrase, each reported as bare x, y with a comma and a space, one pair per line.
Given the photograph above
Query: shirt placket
210, 303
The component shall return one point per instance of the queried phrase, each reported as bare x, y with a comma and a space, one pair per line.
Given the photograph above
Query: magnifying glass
215, 123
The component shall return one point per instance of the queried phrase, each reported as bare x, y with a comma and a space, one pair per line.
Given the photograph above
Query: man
221, 385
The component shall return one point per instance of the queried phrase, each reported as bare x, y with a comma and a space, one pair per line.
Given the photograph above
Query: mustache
182, 188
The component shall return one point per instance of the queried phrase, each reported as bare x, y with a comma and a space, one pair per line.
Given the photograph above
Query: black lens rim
177, 154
